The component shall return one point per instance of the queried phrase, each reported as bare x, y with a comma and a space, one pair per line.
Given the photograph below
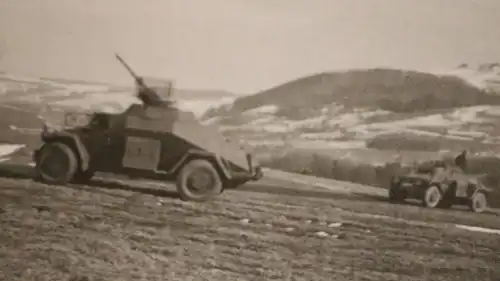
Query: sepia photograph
256, 140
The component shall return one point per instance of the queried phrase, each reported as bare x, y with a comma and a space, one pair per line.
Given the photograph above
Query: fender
195, 153
73, 140
443, 187
486, 190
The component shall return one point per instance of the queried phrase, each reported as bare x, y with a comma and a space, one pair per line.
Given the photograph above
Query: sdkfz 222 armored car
153, 140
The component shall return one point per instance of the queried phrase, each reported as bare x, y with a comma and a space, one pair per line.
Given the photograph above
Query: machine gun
147, 95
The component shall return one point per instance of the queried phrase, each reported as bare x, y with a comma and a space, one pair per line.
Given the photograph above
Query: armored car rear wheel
198, 181
478, 202
56, 163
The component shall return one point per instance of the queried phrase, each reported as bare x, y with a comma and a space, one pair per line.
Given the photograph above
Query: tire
478, 202
195, 191
56, 163
432, 197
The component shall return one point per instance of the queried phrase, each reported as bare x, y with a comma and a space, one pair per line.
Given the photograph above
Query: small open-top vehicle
152, 140
439, 185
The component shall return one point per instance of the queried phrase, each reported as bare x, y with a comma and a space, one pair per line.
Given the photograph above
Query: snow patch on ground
435, 120
199, 107
322, 136
101, 102
4, 159
485, 76
119, 102
305, 123
261, 128
18, 82
340, 123
467, 134
335, 123
276, 142
211, 121
265, 120
265, 109
454, 137
493, 111
8, 149
478, 229
262, 120
345, 120
321, 144
469, 114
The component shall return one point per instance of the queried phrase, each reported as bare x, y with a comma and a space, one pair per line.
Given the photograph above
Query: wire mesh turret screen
163, 87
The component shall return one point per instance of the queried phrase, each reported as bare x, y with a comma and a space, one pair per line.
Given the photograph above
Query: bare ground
116, 230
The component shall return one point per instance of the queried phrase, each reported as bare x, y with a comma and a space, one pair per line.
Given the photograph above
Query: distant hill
387, 89
375, 108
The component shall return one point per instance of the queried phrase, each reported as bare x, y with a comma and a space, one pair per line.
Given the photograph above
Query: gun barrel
146, 94
127, 67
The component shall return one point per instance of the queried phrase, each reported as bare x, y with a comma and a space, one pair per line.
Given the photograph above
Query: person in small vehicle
461, 160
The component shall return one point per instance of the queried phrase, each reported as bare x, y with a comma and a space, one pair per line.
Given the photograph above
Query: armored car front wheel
56, 163
432, 197
198, 181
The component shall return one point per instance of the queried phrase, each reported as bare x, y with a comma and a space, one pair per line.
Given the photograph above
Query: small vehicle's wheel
56, 163
478, 202
432, 197
198, 181
83, 177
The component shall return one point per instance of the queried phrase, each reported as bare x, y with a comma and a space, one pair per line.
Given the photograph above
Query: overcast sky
242, 45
